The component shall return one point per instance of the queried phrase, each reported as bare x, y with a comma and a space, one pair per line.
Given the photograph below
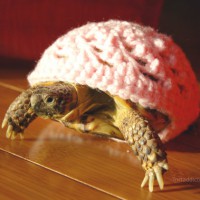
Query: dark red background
27, 27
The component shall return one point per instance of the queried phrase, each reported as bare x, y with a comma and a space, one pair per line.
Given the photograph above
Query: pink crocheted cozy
128, 60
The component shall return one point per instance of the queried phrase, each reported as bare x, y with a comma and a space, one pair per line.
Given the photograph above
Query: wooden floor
53, 162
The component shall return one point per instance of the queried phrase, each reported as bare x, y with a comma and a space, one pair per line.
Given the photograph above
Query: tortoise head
53, 99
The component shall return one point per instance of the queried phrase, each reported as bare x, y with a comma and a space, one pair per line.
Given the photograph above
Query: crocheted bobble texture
128, 60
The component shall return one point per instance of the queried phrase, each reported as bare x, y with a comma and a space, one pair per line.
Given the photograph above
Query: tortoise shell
129, 60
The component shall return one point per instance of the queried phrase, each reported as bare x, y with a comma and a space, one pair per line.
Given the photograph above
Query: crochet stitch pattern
128, 60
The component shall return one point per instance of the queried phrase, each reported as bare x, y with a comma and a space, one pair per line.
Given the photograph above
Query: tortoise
117, 79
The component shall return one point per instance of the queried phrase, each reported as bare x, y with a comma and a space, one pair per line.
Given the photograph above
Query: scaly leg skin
19, 115
147, 146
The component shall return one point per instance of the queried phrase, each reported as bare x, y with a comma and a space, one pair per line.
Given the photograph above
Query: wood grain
21, 179
89, 163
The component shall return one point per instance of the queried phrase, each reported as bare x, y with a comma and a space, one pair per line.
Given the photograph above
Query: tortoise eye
49, 99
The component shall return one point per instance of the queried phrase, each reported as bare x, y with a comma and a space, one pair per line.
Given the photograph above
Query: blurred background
28, 27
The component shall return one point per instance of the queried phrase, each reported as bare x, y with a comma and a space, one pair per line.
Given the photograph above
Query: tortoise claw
5, 122
151, 181
145, 180
156, 172
12, 134
19, 115
9, 131
14, 127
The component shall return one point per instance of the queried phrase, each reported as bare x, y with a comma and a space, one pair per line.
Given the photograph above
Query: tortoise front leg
19, 115
147, 146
